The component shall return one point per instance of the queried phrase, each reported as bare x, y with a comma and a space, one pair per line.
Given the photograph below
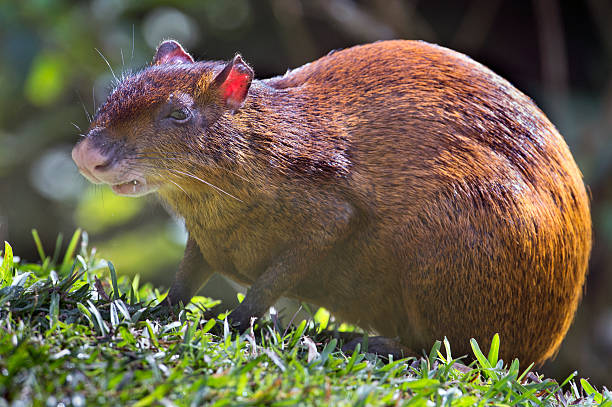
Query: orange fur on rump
401, 185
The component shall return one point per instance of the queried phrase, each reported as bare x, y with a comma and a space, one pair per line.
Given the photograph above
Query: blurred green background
52, 76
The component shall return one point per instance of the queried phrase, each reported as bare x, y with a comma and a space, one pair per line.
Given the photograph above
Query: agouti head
132, 141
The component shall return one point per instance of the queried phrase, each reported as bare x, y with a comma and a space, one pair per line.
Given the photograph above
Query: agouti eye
179, 115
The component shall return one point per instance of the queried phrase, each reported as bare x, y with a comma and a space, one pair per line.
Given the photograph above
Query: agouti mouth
135, 187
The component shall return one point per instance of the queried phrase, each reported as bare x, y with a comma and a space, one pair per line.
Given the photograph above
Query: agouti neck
274, 144
286, 136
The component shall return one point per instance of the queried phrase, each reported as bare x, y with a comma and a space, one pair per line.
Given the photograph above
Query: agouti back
401, 185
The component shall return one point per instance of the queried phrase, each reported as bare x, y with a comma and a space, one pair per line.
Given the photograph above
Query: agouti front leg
288, 270
328, 226
193, 272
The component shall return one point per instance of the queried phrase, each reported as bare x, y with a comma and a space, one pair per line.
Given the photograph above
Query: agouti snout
401, 185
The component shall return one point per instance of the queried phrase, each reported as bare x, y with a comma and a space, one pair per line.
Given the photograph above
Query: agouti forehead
149, 88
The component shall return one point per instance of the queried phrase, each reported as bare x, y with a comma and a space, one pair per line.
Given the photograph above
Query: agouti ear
171, 52
233, 82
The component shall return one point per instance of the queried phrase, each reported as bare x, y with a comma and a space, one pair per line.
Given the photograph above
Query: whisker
132, 42
207, 183
108, 64
139, 156
135, 171
77, 127
179, 187
87, 115
131, 171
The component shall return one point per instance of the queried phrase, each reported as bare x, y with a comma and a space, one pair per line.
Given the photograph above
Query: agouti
401, 185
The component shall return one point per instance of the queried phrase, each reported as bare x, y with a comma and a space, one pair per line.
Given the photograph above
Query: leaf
86, 313
327, 350
127, 335
7, 264
434, 352
209, 325
590, 391
482, 360
54, 310
99, 321
20, 279
227, 336
422, 383
275, 358
322, 318
114, 316
123, 309
152, 334
494, 350
312, 349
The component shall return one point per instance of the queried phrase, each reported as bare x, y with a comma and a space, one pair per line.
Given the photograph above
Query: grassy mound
74, 333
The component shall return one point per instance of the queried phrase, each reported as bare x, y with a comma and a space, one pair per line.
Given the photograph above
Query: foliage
73, 332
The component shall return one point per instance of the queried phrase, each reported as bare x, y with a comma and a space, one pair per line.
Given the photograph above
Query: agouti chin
401, 185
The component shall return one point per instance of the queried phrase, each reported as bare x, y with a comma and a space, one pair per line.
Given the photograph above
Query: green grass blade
356, 354
522, 376
135, 287
132, 299
447, 348
58, 248
297, 334
39, 246
189, 333
71, 248
113, 274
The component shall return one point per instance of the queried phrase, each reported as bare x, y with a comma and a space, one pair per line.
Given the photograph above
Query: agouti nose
90, 160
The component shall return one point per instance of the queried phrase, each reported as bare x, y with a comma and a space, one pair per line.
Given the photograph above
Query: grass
73, 332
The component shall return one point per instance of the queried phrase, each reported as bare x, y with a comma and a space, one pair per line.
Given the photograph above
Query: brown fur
401, 185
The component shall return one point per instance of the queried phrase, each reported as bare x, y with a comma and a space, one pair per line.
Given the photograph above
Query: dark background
51, 74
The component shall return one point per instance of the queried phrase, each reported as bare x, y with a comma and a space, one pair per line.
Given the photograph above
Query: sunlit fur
424, 195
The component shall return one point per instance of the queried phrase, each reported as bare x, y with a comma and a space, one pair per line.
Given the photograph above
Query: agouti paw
241, 321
